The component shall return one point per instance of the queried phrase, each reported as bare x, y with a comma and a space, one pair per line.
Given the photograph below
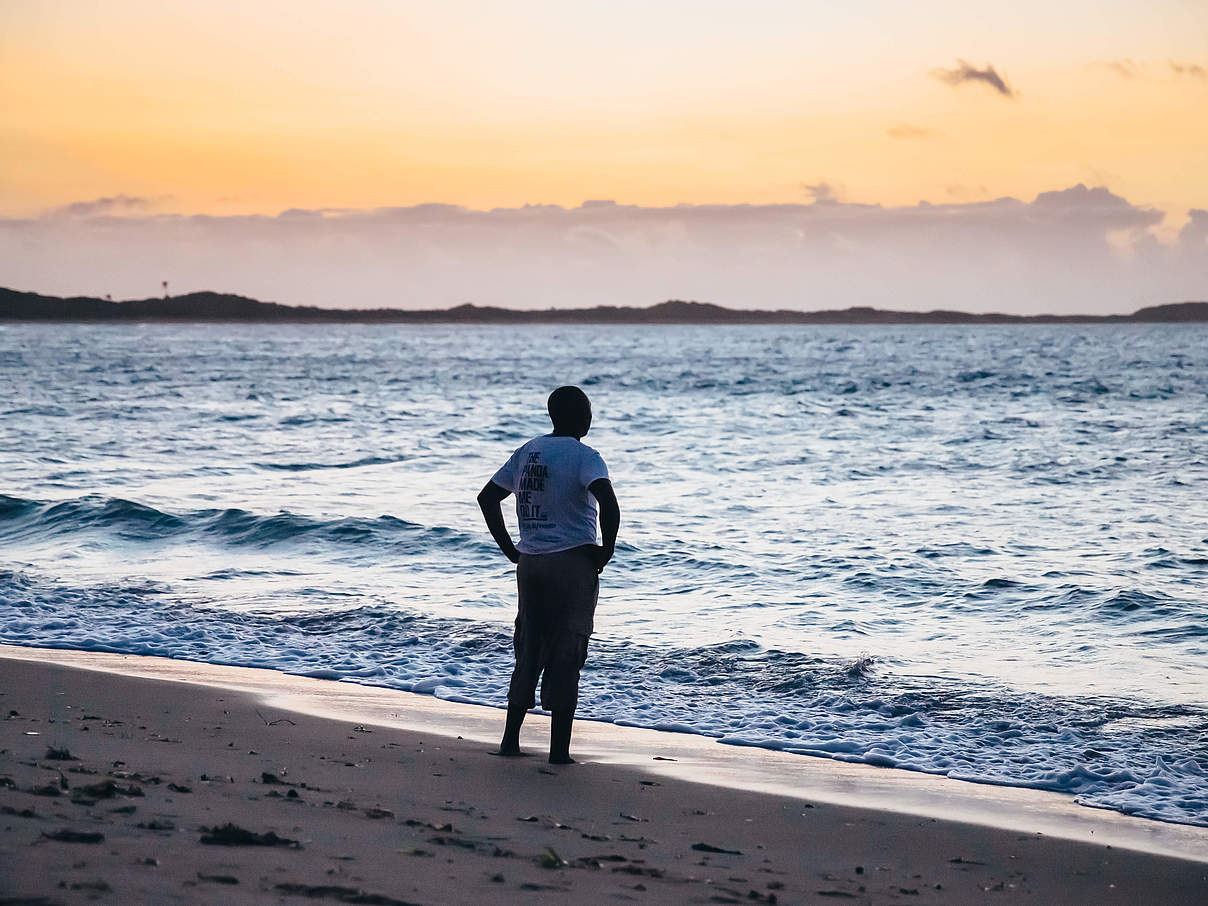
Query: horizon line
246, 308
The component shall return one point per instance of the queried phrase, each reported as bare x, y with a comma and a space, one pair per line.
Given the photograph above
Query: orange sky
241, 108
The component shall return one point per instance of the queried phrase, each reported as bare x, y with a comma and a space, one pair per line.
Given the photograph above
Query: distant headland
207, 306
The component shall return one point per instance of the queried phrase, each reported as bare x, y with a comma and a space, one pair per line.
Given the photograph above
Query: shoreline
697, 758
393, 795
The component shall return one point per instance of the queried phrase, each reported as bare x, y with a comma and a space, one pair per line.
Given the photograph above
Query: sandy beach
124, 788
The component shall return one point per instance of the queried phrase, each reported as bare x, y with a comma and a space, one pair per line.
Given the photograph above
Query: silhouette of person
559, 483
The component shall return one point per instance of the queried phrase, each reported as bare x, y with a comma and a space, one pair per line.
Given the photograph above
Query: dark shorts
557, 602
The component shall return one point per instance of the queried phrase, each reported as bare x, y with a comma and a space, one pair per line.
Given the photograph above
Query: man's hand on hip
601, 555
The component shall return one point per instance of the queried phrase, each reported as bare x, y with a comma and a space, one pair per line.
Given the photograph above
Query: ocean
973, 551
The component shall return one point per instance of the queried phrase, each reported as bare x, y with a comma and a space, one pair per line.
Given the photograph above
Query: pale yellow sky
240, 108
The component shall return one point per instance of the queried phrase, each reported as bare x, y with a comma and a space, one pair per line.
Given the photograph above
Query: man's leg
526, 646
511, 731
559, 737
577, 592
560, 690
522, 687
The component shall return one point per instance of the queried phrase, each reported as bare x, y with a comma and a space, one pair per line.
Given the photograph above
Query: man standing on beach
558, 482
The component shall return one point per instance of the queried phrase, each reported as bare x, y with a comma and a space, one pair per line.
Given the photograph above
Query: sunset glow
773, 153
236, 108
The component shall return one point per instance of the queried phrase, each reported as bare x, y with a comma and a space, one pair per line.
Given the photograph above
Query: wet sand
129, 789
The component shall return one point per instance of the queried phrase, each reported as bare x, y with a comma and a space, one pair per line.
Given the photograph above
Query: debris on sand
439, 828
107, 789
53, 754
234, 835
708, 848
218, 879
94, 887
273, 723
453, 841
157, 824
340, 894
640, 870
66, 835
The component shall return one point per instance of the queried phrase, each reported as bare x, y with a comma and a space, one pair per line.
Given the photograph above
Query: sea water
973, 551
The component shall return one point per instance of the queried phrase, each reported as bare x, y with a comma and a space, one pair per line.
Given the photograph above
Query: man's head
570, 411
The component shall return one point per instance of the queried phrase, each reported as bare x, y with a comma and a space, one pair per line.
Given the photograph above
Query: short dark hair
568, 406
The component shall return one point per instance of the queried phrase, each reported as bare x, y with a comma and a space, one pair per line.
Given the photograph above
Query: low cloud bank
1078, 251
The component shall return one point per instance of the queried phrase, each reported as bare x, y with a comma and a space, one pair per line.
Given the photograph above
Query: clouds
1132, 70
1126, 69
115, 204
1191, 70
821, 192
1194, 234
967, 72
907, 131
1075, 250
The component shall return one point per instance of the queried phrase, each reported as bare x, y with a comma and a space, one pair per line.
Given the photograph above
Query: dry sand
112, 786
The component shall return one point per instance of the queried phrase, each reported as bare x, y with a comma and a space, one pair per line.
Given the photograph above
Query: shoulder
591, 463
531, 443
517, 455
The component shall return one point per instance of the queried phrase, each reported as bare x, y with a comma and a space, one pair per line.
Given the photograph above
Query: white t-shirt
549, 476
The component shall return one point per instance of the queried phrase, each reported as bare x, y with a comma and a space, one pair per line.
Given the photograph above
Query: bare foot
561, 759
510, 752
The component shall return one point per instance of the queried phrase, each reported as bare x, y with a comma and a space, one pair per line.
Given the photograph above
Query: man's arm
610, 519
489, 500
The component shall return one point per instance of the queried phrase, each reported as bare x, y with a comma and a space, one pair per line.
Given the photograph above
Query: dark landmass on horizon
207, 306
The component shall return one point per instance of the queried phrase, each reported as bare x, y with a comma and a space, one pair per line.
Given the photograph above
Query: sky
773, 153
